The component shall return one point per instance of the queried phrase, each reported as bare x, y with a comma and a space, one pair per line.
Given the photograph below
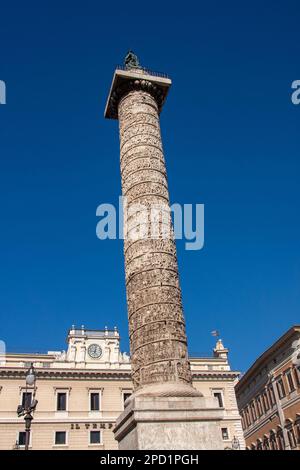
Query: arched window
297, 428
266, 443
273, 442
259, 445
291, 437
280, 440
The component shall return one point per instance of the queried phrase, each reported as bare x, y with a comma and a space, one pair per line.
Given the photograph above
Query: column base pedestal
170, 423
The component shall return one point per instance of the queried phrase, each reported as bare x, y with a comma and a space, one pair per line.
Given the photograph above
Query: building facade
269, 396
81, 392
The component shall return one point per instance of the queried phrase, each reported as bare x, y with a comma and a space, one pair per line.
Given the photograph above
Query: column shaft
156, 323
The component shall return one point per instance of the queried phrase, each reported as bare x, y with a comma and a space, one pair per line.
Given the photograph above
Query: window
291, 437
95, 401
126, 395
95, 437
259, 445
248, 420
280, 388
298, 432
60, 438
61, 401
273, 441
271, 395
280, 440
259, 407
22, 438
290, 381
225, 435
219, 397
266, 443
253, 411
296, 375
243, 420
26, 399
266, 401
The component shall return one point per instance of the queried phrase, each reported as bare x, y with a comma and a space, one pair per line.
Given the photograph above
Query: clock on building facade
94, 351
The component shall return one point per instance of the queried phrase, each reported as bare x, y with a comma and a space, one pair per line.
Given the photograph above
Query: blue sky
231, 140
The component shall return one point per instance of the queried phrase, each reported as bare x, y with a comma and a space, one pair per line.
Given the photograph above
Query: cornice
213, 375
283, 343
69, 374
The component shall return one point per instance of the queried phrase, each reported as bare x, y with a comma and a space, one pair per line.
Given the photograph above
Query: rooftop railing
83, 331
144, 70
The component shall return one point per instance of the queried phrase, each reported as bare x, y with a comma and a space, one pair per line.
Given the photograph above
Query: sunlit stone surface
160, 366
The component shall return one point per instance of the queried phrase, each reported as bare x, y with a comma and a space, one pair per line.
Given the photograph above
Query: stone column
156, 324
165, 410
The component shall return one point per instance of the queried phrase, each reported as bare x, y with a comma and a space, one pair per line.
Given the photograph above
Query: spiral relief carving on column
156, 323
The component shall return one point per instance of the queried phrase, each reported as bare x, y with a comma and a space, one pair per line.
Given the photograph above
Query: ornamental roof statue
131, 60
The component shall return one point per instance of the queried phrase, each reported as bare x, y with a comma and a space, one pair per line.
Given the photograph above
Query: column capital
124, 81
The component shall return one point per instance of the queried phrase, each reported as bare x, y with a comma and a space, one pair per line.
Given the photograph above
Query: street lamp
235, 443
30, 376
28, 408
